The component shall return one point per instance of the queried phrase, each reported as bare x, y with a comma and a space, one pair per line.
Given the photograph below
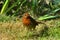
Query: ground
16, 31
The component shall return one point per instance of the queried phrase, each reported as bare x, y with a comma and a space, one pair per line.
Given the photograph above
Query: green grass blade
47, 17
14, 4
19, 7
4, 7
53, 12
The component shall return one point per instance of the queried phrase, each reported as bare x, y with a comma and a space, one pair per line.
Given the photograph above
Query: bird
28, 21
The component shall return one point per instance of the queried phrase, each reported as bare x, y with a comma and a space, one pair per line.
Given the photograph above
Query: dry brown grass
16, 31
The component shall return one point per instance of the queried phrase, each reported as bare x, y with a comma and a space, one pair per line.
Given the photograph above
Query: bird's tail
41, 22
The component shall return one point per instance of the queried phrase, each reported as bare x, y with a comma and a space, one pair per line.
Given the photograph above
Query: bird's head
26, 15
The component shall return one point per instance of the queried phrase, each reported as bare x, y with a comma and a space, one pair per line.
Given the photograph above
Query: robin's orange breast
26, 21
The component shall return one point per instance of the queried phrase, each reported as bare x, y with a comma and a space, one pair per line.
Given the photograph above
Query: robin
29, 21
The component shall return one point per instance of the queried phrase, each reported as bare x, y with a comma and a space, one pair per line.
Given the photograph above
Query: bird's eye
26, 15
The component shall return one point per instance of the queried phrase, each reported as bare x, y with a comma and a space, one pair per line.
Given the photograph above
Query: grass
14, 30
11, 28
